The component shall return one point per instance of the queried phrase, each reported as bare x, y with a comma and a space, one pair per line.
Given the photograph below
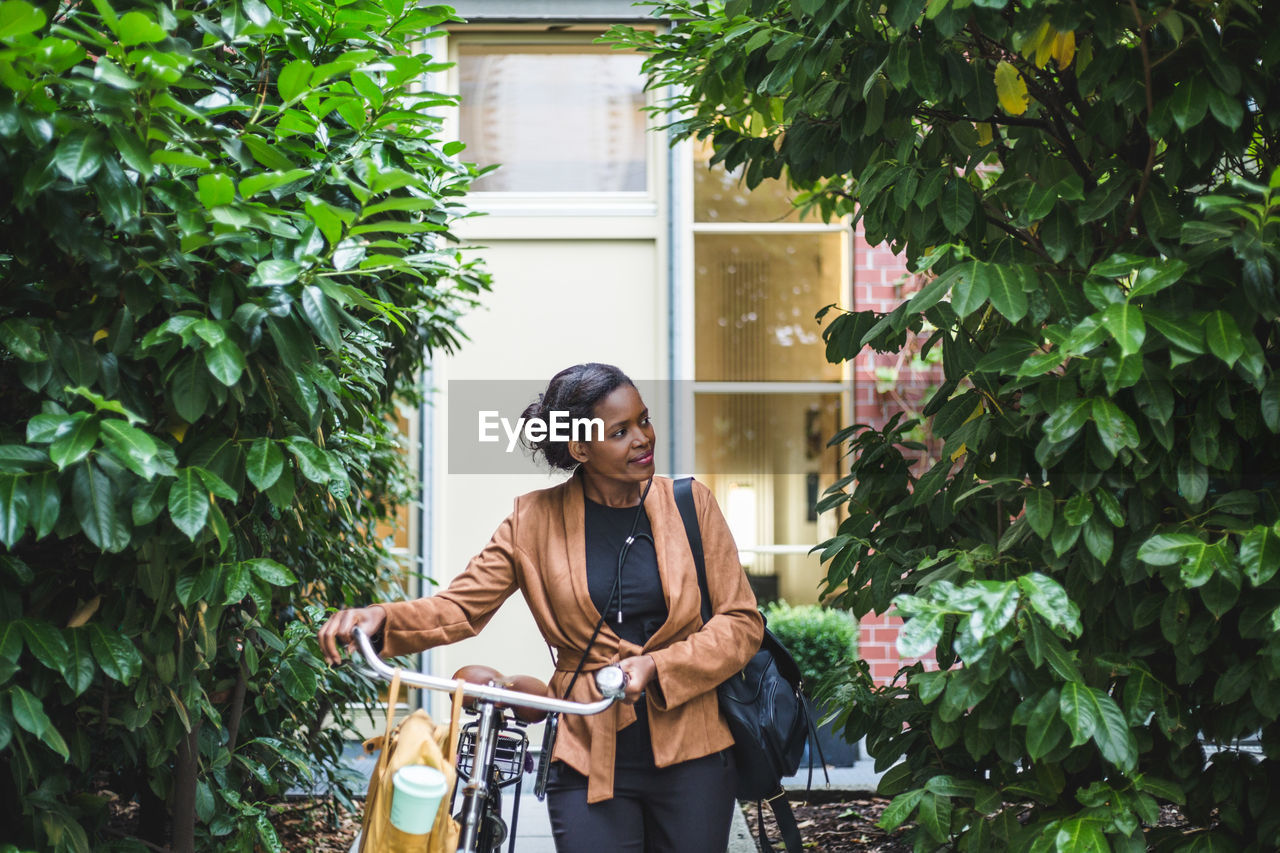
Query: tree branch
1022, 236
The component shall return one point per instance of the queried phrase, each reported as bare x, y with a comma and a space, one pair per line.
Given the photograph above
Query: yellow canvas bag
416, 740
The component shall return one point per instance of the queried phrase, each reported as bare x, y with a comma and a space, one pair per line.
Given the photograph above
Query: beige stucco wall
554, 303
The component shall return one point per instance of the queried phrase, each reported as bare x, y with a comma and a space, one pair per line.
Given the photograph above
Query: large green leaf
263, 463
215, 189
14, 508
1045, 728
237, 581
1167, 549
47, 643
1224, 336
298, 680
1154, 279
1116, 429
1260, 553
1050, 600
1039, 510
190, 388
934, 815
956, 205
900, 809
117, 656
1271, 403
23, 340
1067, 419
1081, 835
10, 640
189, 502
225, 361
29, 713
920, 634
1091, 713
134, 449
18, 17
197, 583
75, 444
322, 316
1143, 694
970, 290
1180, 331
79, 155
80, 668
313, 461
272, 572
96, 502
1124, 322
277, 273
137, 28
1005, 286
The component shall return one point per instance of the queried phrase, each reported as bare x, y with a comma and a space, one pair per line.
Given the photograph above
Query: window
765, 398
558, 118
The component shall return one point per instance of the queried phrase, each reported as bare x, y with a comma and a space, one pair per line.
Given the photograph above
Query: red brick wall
880, 284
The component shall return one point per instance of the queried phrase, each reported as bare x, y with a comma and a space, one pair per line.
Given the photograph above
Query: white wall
554, 303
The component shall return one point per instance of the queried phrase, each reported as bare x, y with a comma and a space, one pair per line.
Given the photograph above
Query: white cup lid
419, 780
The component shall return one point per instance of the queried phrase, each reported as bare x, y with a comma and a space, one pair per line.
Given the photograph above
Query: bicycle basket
508, 757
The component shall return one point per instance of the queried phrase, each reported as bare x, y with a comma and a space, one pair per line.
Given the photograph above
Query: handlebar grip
612, 681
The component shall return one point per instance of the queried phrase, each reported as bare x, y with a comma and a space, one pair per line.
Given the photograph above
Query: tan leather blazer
540, 549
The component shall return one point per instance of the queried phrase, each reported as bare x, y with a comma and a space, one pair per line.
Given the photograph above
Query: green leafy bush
1093, 188
822, 640
224, 251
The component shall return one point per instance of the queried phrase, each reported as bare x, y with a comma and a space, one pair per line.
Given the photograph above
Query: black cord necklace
616, 591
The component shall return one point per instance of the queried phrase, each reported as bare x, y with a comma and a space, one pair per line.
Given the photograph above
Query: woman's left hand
640, 671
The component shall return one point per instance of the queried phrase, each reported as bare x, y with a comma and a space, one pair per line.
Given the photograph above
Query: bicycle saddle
478, 674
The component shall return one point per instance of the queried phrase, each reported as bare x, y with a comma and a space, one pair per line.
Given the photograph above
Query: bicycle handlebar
610, 679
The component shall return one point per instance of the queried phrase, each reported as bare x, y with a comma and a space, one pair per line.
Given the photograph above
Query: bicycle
495, 742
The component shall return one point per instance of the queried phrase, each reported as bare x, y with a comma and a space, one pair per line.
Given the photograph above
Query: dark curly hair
575, 390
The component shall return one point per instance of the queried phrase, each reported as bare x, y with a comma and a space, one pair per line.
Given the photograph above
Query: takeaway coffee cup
418, 790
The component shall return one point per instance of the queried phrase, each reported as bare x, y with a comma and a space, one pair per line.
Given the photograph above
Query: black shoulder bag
763, 704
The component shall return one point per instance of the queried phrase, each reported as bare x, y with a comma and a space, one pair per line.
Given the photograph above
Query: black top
643, 606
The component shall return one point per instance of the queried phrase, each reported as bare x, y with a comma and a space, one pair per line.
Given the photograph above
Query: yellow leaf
84, 611
1011, 89
1064, 48
1044, 50
960, 451
1033, 42
99, 335
178, 429
984, 132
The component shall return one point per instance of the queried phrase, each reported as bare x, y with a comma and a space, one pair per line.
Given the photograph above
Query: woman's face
626, 451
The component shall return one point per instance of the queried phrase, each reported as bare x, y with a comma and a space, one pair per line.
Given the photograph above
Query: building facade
607, 243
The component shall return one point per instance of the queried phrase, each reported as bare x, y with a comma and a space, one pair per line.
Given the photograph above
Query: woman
608, 544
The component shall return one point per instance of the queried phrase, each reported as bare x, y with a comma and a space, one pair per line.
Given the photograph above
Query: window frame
684, 326
643, 204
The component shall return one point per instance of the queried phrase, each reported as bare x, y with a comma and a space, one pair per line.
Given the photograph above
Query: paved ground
533, 831
533, 825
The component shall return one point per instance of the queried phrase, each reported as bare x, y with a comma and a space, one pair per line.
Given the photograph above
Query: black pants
685, 808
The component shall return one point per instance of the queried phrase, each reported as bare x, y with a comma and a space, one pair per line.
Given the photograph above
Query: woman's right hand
340, 625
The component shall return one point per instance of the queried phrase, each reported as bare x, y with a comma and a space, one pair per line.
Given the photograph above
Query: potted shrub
822, 641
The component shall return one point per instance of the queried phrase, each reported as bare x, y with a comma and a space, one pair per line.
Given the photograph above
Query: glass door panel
765, 458
756, 297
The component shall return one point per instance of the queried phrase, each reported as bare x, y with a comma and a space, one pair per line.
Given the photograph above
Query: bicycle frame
610, 681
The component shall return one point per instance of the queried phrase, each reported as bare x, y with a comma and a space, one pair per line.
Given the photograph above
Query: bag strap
781, 807
786, 820
455, 731
683, 489
393, 696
